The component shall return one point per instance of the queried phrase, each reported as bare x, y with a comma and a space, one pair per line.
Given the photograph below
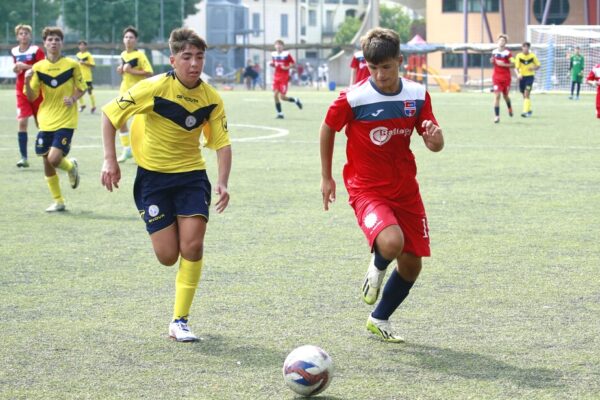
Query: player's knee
390, 245
191, 249
167, 258
54, 159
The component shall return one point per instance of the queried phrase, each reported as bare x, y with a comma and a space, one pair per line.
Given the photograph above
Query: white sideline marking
278, 133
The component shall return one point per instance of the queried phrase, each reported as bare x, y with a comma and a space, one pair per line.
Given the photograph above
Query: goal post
554, 45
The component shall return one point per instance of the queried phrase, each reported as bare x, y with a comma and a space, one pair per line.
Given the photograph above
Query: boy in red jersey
359, 69
282, 61
380, 114
502, 61
593, 79
24, 56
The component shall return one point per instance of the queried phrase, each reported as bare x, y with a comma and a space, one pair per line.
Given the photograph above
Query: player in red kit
282, 61
359, 70
380, 114
593, 79
502, 61
24, 56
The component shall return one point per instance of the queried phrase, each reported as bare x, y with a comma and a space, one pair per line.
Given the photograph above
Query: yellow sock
186, 283
124, 136
54, 186
526, 105
65, 164
93, 100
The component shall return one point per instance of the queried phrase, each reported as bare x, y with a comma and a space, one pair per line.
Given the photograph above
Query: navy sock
508, 104
578, 88
278, 107
23, 144
380, 262
496, 111
292, 99
572, 87
395, 291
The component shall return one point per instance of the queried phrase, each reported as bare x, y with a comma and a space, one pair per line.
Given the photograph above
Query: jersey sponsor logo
186, 98
55, 81
179, 115
125, 101
381, 135
376, 113
410, 108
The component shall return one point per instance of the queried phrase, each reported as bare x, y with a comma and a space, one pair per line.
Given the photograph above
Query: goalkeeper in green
576, 66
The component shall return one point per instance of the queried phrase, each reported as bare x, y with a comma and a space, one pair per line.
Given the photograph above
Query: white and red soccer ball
308, 370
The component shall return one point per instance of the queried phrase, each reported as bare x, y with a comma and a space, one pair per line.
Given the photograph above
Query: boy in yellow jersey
134, 67
171, 190
58, 80
526, 63
87, 63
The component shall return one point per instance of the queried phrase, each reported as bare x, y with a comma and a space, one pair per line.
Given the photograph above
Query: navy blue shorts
526, 83
60, 139
161, 197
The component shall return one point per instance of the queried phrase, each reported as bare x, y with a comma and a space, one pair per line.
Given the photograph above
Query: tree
396, 18
347, 30
107, 19
13, 13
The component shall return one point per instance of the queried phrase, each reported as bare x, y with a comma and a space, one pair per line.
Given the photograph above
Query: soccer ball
308, 370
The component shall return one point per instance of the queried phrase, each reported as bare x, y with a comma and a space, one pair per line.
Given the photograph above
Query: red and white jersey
280, 60
30, 56
379, 127
594, 75
360, 65
500, 72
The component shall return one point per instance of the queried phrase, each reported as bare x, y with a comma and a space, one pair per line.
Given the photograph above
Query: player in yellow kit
58, 80
86, 63
172, 192
134, 67
526, 63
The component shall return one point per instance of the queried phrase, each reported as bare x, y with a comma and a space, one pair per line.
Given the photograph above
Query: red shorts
374, 215
280, 85
501, 86
26, 109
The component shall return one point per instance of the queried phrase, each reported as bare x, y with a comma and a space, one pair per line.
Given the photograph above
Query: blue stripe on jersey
24, 57
388, 110
55, 81
179, 115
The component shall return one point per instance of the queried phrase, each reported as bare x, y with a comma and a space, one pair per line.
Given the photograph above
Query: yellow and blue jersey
86, 70
170, 119
524, 61
138, 61
56, 81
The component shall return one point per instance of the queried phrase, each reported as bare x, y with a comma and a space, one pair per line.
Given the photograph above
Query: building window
312, 18
350, 13
284, 25
256, 23
455, 60
350, 1
332, 1
329, 18
558, 13
472, 5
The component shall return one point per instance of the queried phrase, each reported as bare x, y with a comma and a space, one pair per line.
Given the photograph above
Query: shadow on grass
476, 366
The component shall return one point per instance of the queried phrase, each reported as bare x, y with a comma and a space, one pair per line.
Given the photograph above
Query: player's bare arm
111, 173
327, 139
31, 96
432, 136
224, 157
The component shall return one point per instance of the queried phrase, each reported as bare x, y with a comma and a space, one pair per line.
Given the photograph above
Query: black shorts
61, 139
525, 83
161, 197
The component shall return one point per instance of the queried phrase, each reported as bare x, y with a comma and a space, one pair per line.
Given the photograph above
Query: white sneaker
56, 207
383, 329
74, 174
372, 285
125, 155
180, 331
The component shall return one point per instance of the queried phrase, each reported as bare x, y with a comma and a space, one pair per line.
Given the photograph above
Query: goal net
554, 45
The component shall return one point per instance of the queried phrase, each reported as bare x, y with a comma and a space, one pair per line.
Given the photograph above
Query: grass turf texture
506, 308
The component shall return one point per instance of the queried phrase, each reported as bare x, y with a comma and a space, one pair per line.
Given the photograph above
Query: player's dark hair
23, 26
380, 44
52, 31
280, 41
502, 35
83, 42
132, 30
181, 37
526, 44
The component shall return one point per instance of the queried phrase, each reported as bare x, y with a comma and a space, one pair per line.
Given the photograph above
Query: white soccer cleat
74, 174
56, 207
372, 284
125, 155
383, 329
180, 331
